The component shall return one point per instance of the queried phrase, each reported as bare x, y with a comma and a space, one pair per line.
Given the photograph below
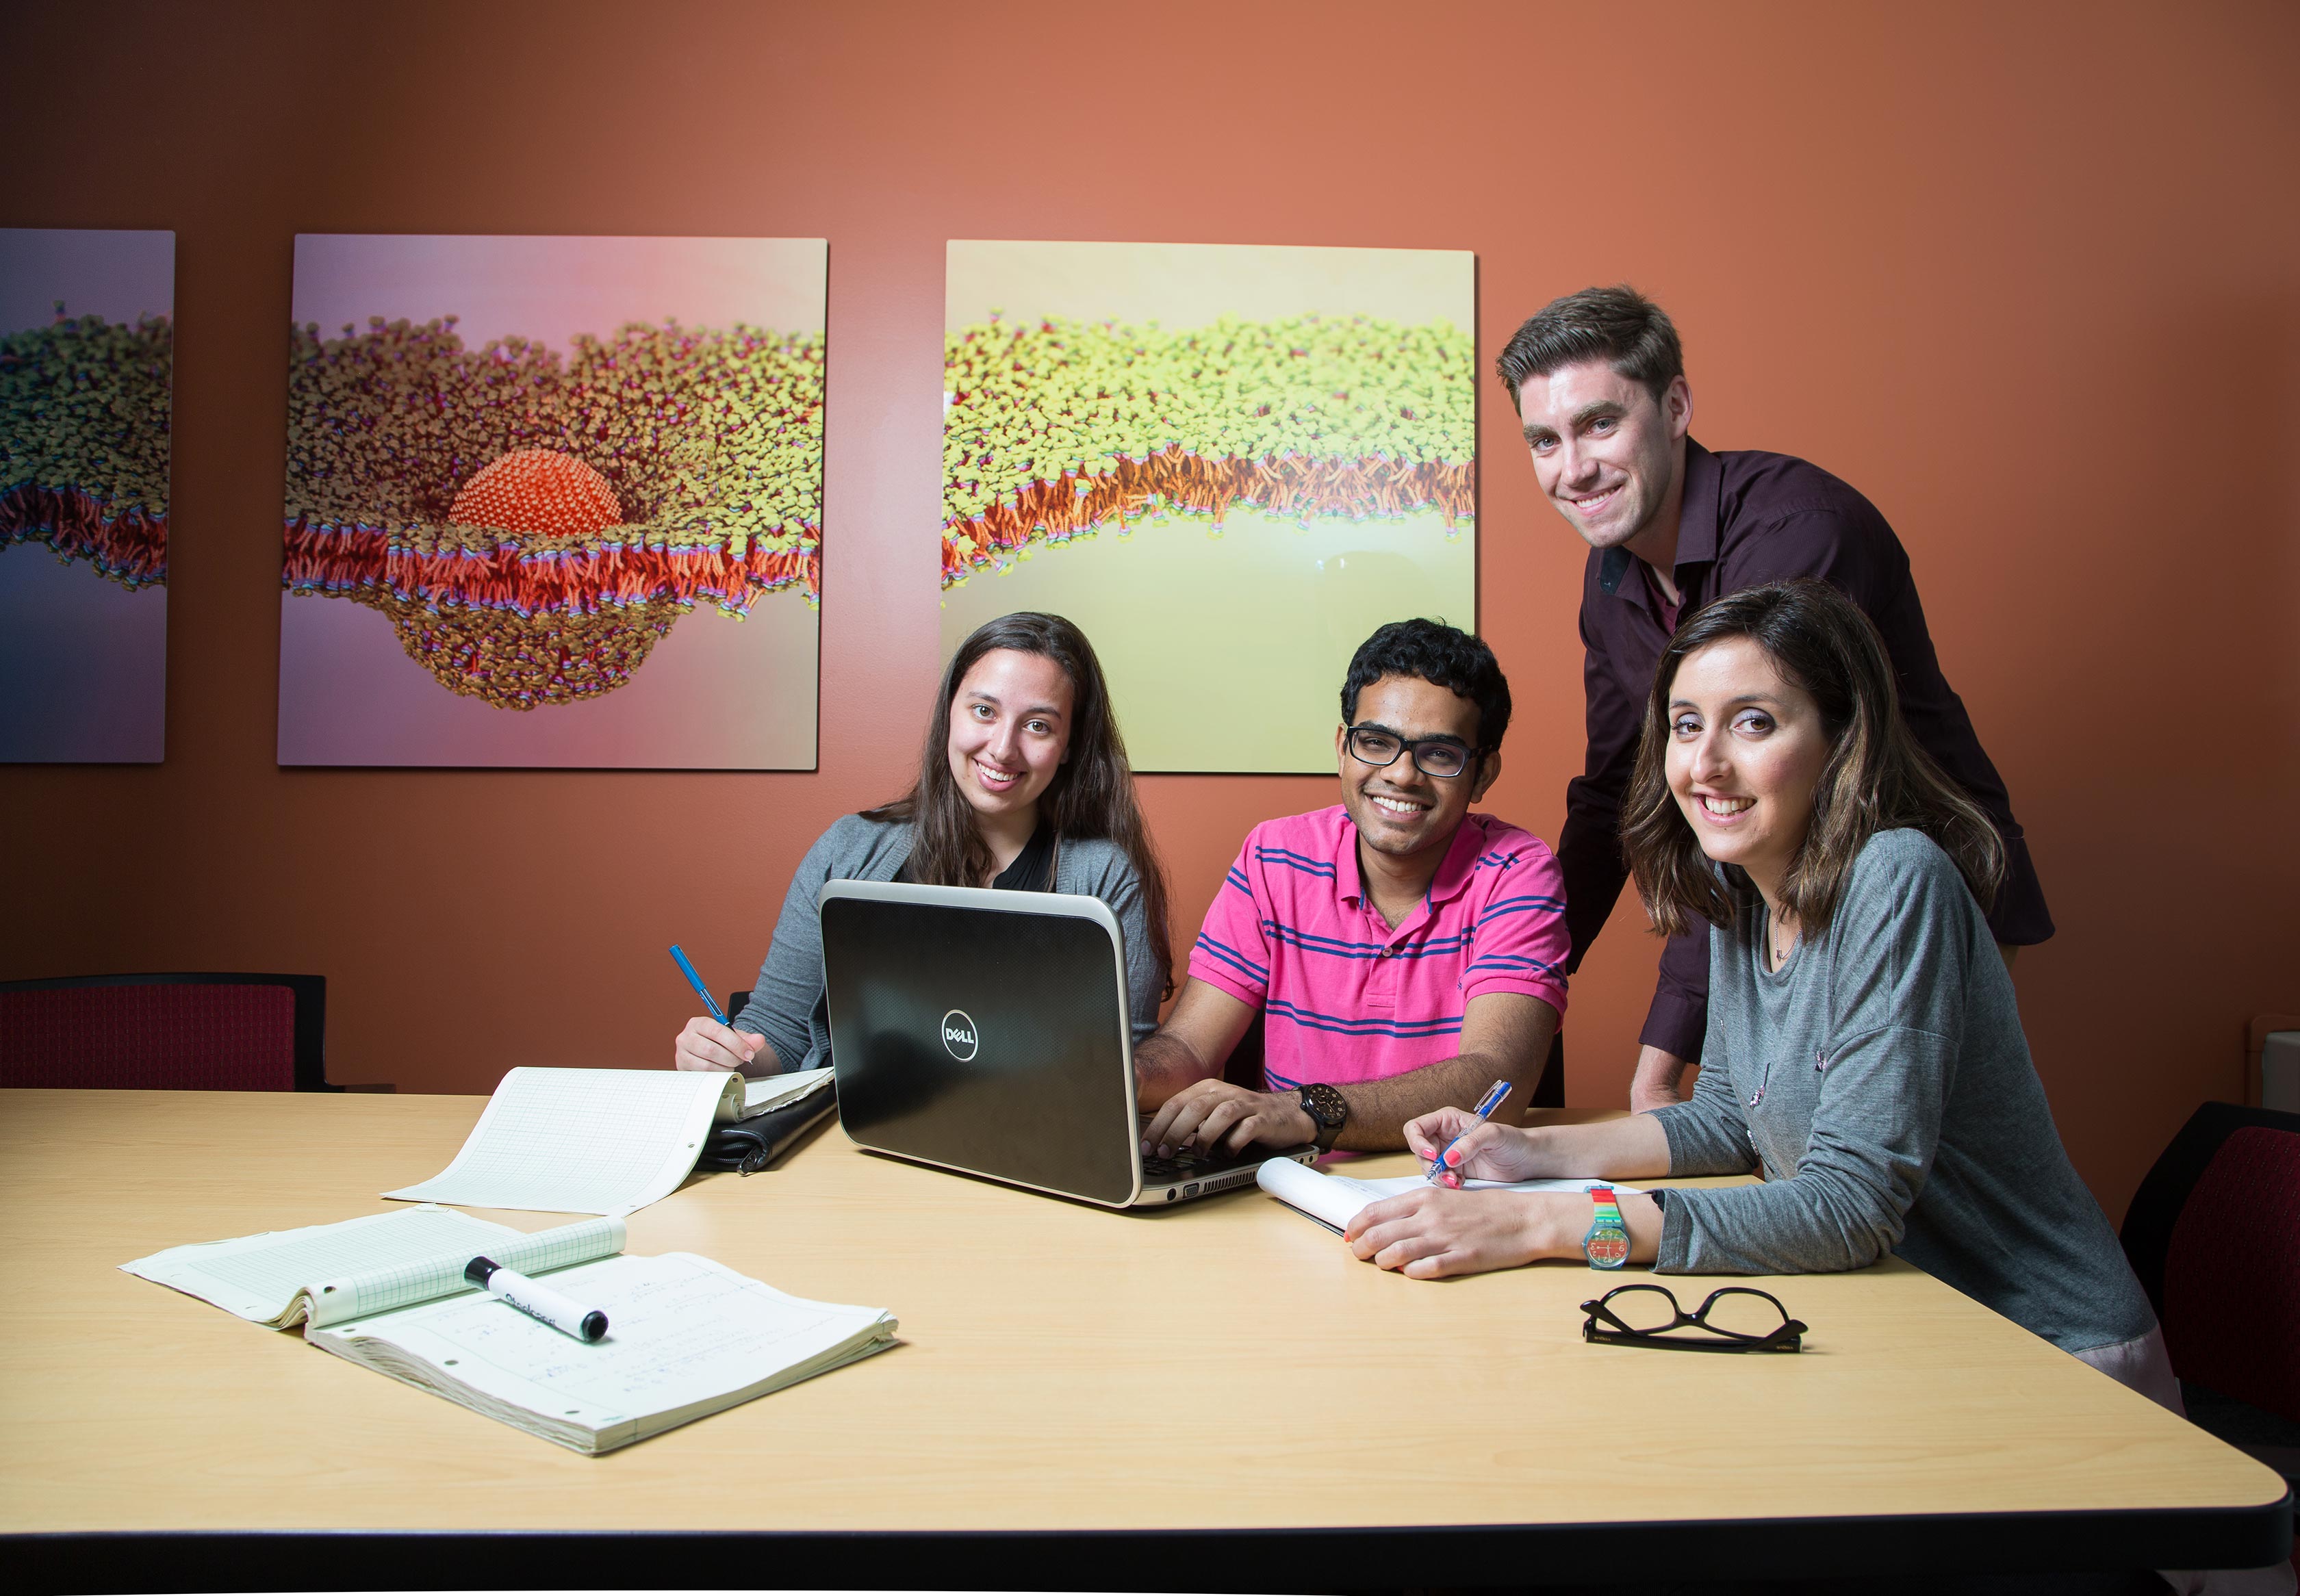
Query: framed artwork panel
1229, 464
87, 386
553, 502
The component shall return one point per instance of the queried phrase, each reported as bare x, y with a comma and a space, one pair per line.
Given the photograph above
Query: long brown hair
1876, 778
1092, 794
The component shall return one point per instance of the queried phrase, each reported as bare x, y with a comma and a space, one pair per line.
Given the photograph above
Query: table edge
71, 1562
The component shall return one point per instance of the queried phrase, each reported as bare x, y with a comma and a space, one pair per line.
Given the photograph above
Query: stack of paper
771, 1091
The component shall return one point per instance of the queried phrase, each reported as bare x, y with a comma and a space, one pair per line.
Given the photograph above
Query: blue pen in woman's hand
1478, 1116
705, 1052
695, 981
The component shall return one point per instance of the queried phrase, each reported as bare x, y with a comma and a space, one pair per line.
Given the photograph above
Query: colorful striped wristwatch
1607, 1244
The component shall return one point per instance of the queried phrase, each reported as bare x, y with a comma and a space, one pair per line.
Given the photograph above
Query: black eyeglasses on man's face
1377, 745
1732, 1318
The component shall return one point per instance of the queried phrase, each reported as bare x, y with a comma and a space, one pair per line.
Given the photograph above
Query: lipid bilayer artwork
86, 371
553, 502
1228, 463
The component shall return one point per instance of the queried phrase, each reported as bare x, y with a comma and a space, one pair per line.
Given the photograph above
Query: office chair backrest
2214, 1236
188, 1032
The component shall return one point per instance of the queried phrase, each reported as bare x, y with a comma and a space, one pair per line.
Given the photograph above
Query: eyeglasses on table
1732, 1318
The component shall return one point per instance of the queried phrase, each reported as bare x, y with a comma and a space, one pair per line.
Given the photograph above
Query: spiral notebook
598, 1141
687, 1337
326, 1273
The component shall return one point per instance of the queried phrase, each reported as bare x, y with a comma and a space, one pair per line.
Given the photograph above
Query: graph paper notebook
588, 1141
326, 1274
686, 1337
1335, 1200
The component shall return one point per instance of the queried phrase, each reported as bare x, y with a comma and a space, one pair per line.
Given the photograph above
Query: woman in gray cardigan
1022, 785
1863, 1051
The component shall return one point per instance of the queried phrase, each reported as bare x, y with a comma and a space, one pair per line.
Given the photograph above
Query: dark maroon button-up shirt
1751, 518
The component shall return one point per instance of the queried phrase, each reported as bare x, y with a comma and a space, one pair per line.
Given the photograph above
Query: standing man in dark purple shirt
1599, 380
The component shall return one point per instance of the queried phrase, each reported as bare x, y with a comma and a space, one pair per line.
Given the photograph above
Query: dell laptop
986, 1032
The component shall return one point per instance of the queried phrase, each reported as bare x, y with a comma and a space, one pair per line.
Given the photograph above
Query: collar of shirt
1452, 879
1697, 518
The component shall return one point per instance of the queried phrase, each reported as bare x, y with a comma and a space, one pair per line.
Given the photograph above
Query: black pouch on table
749, 1146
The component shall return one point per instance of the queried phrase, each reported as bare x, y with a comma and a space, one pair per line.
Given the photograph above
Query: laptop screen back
985, 1032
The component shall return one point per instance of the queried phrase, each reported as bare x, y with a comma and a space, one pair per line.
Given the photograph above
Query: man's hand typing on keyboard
1211, 1116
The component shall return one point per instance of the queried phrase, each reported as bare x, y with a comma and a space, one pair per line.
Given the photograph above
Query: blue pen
695, 981
1478, 1116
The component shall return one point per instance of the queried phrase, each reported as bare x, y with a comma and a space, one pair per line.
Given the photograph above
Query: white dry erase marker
536, 1300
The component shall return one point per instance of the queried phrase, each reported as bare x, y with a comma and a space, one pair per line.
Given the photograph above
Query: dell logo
958, 1035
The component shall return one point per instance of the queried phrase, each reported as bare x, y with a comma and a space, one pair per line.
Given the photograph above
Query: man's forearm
1655, 1084
1677, 1021
1379, 1110
1163, 1064
1589, 857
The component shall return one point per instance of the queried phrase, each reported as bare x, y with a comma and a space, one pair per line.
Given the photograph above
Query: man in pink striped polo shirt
1404, 952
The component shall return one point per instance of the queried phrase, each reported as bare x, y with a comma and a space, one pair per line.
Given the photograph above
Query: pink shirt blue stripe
1344, 996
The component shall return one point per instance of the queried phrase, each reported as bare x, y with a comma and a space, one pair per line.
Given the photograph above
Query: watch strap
1328, 1110
1606, 1245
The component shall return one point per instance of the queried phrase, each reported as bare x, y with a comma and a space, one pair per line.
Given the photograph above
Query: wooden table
1167, 1400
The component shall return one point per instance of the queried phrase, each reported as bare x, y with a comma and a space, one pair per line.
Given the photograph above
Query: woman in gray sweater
1022, 785
1863, 1052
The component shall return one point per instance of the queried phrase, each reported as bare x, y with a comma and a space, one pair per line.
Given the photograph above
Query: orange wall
2026, 274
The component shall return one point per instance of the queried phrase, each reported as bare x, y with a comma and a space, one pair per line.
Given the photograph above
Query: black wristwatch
1331, 1111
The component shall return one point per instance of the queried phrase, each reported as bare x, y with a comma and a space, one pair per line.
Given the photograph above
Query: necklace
1781, 941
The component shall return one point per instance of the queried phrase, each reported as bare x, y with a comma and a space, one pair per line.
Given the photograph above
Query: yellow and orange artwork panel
1228, 463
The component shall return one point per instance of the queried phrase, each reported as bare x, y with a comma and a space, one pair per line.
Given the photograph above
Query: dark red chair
2213, 1234
205, 1032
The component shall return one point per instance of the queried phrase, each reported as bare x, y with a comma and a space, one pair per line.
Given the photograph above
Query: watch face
1607, 1248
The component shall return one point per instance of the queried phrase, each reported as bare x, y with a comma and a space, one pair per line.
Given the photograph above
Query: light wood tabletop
1224, 1365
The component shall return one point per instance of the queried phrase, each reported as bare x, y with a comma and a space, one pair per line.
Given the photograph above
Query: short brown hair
1617, 325
1877, 778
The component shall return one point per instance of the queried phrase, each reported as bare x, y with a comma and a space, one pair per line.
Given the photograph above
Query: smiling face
1010, 730
1746, 748
1399, 809
1607, 453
